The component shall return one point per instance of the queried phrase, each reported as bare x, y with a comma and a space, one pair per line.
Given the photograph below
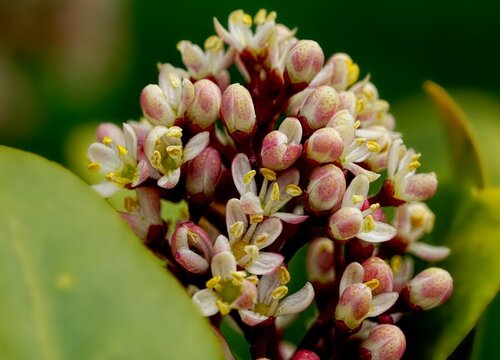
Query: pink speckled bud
281, 148
419, 187
385, 342
376, 268
191, 247
304, 61
237, 110
325, 145
345, 223
155, 106
319, 261
326, 188
429, 289
305, 355
319, 107
353, 307
204, 109
203, 174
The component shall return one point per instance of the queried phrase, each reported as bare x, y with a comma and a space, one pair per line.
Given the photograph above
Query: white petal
234, 213
296, 302
143, 170
358, 186
382, 302
221, 244
290, 218
130, 139
106, 189
428, 252
252, 318
267, 284
292, 129
393, 158
106, 157
353, 274
273, 227
223, 264
264, 263
250, 204
196, 145
186, 97
239, 168
170, 179
153, 136
358, 170
206, 300
382, 232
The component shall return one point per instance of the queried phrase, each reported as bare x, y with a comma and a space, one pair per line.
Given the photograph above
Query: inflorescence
301, 153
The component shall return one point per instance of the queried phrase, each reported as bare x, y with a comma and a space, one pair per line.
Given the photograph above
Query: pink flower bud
304, 61
419, 187
429, 289
204, 109
319, 261
237, 111
191, 247
203, 174
376, 268
319, 107
305, 355
345, 223
385, 342
155, 106
344, 73
325, 145
353, 307
349, 102
343, 122
281, 148
326, 188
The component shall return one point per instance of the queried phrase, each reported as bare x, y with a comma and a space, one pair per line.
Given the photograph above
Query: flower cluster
301, 153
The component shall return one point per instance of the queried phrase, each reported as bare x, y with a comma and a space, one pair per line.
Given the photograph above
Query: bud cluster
303, 153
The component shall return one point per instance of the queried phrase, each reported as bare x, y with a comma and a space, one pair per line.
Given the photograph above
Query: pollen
122, 150
284, 275
360, 141
174, 131
256, 218
248, 177
375, 206
110, 175
224, 307
372, 284
268, 174
293, 190
368, 224
275, 192
174, 151
413, 165
356, 199
280, 292
373, 146
107, 140
210, 284
94, 167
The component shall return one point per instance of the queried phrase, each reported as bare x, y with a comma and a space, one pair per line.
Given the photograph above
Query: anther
268, 174
280, 292
372, 284
284, 275
249, 176
94, 167
373, 146
293, 190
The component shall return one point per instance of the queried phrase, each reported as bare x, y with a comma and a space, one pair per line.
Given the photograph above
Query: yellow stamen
94, 167
260, 239
210, 284
249, 176
352, 73
280, 292
293, 190
375, 206
284, 275
224, 307
107, 140
252, 250
360, 106
357, 124
174, 131
372, 284
360, 141
156, 159
417, 218
275, 193
253, 279
260, 17
256, 218
122, 150
356, 199
413, 165
240, 275
416, 156
174, 151
239, 16
236, 229
373, 146
368, 224
174, 81
396, 263
268, 174
213, 43
110, 176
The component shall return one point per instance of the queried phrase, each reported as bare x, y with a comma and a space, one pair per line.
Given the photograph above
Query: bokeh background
66, 65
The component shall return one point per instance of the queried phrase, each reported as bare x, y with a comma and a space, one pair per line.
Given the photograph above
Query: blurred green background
64, 63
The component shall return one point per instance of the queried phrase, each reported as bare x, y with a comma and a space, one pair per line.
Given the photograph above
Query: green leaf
76, 284
487, 330
467, 162
475, 268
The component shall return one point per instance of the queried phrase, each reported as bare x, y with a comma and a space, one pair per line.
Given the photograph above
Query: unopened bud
281, 148
349, 102
319, 261
203, 175
325, 145
320, 106
353, 307
191, 247
345, 72
155, 106
345, 125
326, 188
429, 289
376, 268
305, 355
385, 342
204, 109
419, 187
304, 61
345, 223
237, 111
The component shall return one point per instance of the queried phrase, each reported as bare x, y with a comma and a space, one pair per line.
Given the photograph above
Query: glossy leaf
76, 284
475, 268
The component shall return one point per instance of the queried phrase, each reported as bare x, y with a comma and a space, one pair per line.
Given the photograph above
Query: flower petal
382, 302
239, 168
264, 263
106, 189
358, 170
272, 227
296, 302
143, 170
206, 300
196, 145
234, 213
170, 179
250, 204
267, 284
252, 318
191, 261
359, 186
381, 232
130, 139
353, 274
428, 252
290, 218
292, 129
223, 264
106, 157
